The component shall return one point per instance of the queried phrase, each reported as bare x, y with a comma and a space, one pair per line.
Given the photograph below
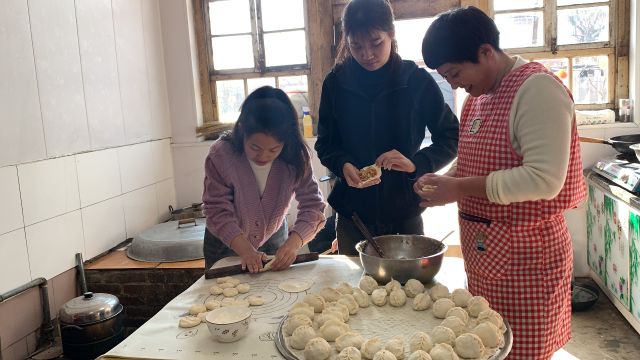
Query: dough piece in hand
230, 292
413, 287
349, 339
255, 300
454, 323
397, 298
344, 288
361, 297
295, 285
490, 335
442, 335
393, 285
226, 285
369, 173
268, 265
216, 290
461, 297
419, 355
443, 352
384, 355
316, 301
469, 346
368, 284
301, 336
396, 346
459, 313
332, 329
197, 309
370, 347
330, 294
294, 322
317, 349
420, 341
439, 291
379, 297
476, 305
491, 316
349, 353
212, 304
441, 306
350, 302
189, 321
243, 288
421, 302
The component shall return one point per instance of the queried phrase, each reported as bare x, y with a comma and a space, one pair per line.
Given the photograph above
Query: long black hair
269, 111
361, 17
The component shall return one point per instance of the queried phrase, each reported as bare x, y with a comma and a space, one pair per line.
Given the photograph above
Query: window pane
285, 48
586, 25
230, 17
282, 14
520, 29
253, 84
230, 94
560, 67
409, 34
297, 89
445, 88
573, 2
232, 52
590, 80
499, 5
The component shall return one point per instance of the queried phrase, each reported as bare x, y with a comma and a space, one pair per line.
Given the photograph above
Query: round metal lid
90, 308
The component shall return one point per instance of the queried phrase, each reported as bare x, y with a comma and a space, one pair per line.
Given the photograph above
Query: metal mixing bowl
405, 257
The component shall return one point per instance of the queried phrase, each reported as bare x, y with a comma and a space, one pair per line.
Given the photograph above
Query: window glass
285, 48
409, 34
590, 79
524, 29
232, 52
499, 5
229, 17
585, 25
297, 88
230, 94
282, 14
255, 83
559, 67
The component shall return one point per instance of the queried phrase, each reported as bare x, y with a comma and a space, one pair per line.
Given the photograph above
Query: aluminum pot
406, 257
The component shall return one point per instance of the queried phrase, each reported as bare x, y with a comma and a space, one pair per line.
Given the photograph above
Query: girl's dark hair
268, 110
456, 35
360, 17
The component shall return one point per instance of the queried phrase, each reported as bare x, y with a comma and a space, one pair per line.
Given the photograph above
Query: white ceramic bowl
229, 323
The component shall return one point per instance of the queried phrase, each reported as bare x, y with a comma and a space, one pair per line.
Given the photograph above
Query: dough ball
368, 284
316, 301
317, 349
215, 290
384, 355
441, 306
491, 316
202, 316
421, 302
490, 335
224, 279
442, 335
469, 346
349, 353
413, 287
439, 291
361, 297
230, 292
330, 294
397, 298
476, 305
255, 300
370, 347
300, 336
420, 341
243, 288
189, 321
443, 352
320, 319
459, 313
212, 304
342, 309
226, 285
197, 309
350, 302
349, 339
332, 329
379, 297
454, 323
344, 288
228, 302
396, 346
419, 355
236, 302
461, 297
295, 322
303, 309
393, 285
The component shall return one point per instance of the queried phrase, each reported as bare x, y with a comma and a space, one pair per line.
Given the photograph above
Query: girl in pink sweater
251, 175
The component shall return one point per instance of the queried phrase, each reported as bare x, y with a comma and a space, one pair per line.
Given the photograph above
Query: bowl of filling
229, 323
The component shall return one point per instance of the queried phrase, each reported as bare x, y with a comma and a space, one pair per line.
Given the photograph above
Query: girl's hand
350, 173
394, 160
436, 190
252, 261
286, 254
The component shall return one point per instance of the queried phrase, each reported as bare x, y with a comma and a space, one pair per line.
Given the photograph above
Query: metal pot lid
90, 308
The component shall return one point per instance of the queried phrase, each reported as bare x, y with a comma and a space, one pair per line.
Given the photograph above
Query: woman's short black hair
456, 35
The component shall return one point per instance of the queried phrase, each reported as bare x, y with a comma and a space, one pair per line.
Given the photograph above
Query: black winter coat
354, 128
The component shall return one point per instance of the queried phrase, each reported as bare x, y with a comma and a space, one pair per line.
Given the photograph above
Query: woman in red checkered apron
518, 170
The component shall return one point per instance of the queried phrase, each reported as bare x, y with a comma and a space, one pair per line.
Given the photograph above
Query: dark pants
214, 249
349, 235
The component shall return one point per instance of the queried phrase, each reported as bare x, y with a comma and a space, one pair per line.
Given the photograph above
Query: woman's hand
250, 258
394, 160
350, 174
437, 190
286, 254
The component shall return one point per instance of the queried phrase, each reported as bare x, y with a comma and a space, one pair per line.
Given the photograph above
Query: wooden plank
411, 9
623, 12
321, 45
207, 91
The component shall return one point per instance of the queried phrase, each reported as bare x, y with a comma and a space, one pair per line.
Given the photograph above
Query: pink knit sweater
233, 205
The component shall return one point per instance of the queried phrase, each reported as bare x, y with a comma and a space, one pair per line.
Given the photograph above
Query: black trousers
349, 235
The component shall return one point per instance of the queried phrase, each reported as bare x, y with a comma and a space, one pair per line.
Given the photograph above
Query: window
252, 43
575, 39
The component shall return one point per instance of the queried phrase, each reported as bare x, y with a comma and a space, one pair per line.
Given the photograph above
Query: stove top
621, 171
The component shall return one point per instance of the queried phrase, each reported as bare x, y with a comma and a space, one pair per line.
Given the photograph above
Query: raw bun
255, 300
197, 309
397, 298
439, 291
330, 294
393, 285
454, 323
349, 339
320, 319
332, 329
215, 290
202, 316
226, 285
368, 284
369, 173
230, 292
349, 353
234, 302
491, 316
344, 288
419, 355
413, 287
243, 288
443, 352
421, 302
370, 347
212, 304
420, 341
317, 349
301, 336
469, 346
441, 306
384, 355
341, 309
361, 297
442, 335
189, 321
396, 346
224, 279
316, 301
350, 302
302, 308
295, 322
476, 305
461, 297
490, 335
379, 297
459, 313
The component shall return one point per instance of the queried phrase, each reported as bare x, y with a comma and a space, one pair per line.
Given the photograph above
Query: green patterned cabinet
595, 233
634, 256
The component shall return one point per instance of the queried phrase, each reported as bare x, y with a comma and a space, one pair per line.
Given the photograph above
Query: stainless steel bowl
406, 257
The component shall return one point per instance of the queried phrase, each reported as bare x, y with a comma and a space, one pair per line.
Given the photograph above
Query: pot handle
594, 140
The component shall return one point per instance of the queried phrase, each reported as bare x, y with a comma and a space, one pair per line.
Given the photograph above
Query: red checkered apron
518, 256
